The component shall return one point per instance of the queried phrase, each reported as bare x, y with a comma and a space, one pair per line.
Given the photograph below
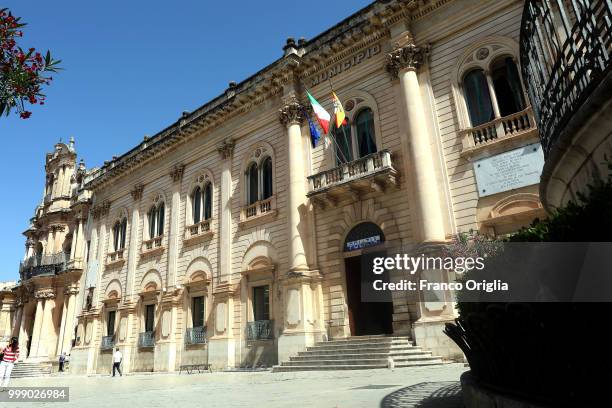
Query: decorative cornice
292, 113
176, 173
226, 149
137, 192
406, 56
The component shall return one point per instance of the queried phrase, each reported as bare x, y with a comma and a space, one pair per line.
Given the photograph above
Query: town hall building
228, 239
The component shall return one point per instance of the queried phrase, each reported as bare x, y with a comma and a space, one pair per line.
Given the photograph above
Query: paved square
330, 389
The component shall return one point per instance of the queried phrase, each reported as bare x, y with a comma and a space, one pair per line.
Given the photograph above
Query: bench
190, 368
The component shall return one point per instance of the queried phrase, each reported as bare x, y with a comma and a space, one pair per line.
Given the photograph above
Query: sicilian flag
314, 133
339, 114
322, 115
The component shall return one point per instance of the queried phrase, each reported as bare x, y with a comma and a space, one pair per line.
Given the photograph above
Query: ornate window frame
154, 245
262, 209
354, 103
514, 128
116, 256
204, 228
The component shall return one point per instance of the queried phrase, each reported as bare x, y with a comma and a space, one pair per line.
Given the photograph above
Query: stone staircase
28, 369
359, 353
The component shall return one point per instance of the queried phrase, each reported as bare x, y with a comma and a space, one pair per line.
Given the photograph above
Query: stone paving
424, 387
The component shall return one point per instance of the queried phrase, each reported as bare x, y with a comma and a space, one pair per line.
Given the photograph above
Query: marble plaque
509, 170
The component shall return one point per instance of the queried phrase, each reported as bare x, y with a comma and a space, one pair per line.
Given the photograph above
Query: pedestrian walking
10, 354
117, 357
62, 360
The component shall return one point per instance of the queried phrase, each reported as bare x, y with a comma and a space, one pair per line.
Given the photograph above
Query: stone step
366, 340
27, 369
360, 350
346, 356
279, 369
331, 346
361, 361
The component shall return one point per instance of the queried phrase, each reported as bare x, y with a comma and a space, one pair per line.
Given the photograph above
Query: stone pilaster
226, 150
177, 176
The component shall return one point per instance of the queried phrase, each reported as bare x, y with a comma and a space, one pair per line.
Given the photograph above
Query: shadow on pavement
446, 394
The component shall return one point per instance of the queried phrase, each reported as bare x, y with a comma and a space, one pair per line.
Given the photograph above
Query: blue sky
131, 68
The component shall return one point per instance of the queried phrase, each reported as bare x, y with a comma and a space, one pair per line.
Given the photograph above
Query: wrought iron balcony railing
39, 265
565, 55
195, 335
108, 342
146, 339
260, 330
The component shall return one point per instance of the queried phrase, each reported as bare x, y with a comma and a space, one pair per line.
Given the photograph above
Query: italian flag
322, 115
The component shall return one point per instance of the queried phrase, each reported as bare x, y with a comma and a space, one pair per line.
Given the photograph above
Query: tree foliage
23, 73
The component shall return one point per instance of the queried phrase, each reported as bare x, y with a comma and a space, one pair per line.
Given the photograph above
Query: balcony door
110, 323
149, 318
197, 311
261, 303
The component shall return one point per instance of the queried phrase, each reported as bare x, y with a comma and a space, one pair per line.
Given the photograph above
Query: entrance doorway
366, 317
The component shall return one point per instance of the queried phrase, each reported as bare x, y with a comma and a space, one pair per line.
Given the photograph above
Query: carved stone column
226, 151
403, 63
38, 347
291, 116
68, 320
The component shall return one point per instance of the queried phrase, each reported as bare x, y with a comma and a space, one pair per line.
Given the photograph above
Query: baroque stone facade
228, 239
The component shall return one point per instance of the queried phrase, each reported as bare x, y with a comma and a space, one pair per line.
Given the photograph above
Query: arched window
252, 182
507, 86
477, 97
343, 144
156, 220
266, 177
119, 233
208, 201
196, 201
366, 139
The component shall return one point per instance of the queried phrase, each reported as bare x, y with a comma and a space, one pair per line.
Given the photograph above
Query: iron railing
260, 330
146, 339
565, 55
195, 335
108, 342
38, 265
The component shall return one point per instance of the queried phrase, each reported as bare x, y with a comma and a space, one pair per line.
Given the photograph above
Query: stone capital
226, 149
292, 113
177, 172
406, 55
42, 294
136, 192
71, 290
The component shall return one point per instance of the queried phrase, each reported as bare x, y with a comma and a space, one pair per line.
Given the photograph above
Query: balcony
152, 246
75, 264
115, 259
374, 172
512, 128
44, 265
107, 343
195, 335
260, 330
197, 232
146, 339
565, 57
258, 211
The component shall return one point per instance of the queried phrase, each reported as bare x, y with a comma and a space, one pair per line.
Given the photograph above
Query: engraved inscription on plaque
509, 170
